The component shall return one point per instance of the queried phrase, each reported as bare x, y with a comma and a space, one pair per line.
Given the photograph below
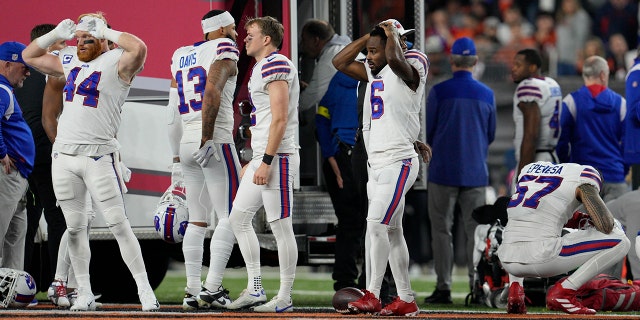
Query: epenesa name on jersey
537, 168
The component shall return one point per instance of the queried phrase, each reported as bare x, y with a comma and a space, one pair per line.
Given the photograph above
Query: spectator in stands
616, 53
617, 16
592, 125
545, 38
592, 47
572, 29
512, 18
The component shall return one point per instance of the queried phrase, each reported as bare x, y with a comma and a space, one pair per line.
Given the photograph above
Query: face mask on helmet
172, 215
17, 288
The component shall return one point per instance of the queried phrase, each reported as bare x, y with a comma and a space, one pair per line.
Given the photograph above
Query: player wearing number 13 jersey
397, 80
85, 152
204, 80
533, 243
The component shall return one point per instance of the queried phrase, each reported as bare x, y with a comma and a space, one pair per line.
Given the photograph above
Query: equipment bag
608, 293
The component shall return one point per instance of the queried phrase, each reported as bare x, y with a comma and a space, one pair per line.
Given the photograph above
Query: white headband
216, 22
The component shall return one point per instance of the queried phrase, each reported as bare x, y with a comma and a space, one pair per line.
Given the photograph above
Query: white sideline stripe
330, 293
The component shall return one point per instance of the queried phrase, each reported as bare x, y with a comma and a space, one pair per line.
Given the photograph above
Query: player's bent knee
114, 215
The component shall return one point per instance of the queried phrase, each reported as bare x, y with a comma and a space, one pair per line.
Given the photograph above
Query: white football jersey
544, 201
93, 97
190, 67
547, 94
395, 112
273, 67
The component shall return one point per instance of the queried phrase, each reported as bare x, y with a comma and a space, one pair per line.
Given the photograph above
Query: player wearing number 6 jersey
397, 82
537, 104
85, 152
533, 244
204, 80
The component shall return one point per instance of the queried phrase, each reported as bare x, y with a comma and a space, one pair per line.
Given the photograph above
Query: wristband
47, 39
267, 158
112, 35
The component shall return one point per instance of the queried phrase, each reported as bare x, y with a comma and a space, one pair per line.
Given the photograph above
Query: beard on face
92, 51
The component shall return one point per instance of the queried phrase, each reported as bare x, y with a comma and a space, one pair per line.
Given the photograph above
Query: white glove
126, 172
66, 30
98, 28
203, 154
176, 173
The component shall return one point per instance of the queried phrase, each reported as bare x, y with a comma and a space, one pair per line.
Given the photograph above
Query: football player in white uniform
85, 152
268, 178
537, 104
547, 196
204, 80
397, 80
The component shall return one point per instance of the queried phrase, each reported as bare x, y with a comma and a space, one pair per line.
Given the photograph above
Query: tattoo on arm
600, 215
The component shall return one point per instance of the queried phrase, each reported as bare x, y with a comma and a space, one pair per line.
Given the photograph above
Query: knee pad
114, 215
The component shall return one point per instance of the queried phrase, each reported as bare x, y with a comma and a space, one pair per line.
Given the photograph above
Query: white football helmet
17, 288
172, 215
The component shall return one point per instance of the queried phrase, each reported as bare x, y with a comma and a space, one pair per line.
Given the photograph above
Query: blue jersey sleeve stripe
274, 64
272, 71
228, 49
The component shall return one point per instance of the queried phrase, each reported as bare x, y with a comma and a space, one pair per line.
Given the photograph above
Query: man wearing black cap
461, 123
17, 153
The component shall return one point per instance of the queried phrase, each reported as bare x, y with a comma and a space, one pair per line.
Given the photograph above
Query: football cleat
84, 302
515, 301
57, 293
400, 308
189, 302
248, 299
148, 300
276, 305
366, 304
562, 299
214, 299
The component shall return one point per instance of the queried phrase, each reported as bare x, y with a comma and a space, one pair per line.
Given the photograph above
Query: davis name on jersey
190, 68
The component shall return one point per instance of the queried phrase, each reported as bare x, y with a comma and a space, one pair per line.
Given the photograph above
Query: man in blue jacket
632, 122
336, 125
17, 154
592, 127
461, 123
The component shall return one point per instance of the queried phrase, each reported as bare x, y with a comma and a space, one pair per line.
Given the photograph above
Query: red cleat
367, 304
561, 299
515, 302
400, 308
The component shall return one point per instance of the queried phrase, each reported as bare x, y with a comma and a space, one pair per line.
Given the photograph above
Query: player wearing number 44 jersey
85, 152
533, 244
202, 95
537, 104
397, 80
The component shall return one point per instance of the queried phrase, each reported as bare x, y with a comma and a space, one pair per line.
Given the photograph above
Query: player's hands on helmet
176, 173
423, 149
95, 26
205, 152
389, 28
66, 29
